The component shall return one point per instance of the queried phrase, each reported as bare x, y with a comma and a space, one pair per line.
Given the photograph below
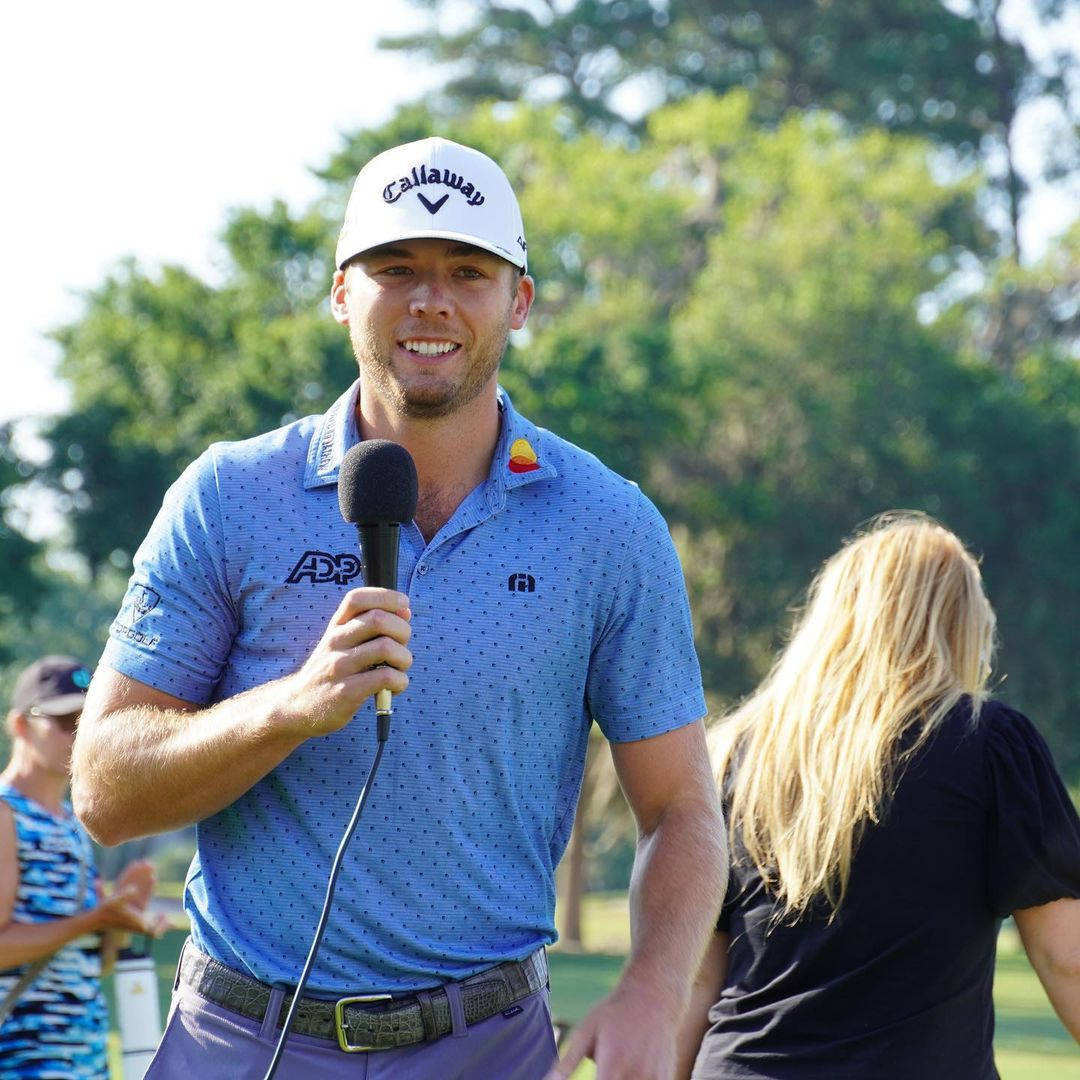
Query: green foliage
21, 580
754, 322
160, 367
1030, 317
943, 69
908, 66
66, 615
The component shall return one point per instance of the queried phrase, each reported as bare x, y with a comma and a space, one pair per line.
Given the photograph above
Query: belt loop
457, 1010
179, 963
427, 1016
273, 1011
540, 966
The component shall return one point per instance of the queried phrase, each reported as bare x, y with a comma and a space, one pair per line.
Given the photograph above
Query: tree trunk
1007, 109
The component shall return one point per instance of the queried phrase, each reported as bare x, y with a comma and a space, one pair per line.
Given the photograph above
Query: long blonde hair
895, 631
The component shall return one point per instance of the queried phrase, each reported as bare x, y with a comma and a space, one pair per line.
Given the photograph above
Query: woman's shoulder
976, 748
992, 724
1010, 732
17, 803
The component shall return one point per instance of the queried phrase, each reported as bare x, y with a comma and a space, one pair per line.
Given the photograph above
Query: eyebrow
389, 250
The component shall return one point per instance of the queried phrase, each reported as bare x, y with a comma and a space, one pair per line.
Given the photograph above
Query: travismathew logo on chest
421, 176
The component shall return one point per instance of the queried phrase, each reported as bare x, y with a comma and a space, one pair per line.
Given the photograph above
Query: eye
394, 271
471, 273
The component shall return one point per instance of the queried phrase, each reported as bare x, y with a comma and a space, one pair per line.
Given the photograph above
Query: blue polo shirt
551, 598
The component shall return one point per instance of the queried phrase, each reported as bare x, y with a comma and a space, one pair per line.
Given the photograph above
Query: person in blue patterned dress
52, 905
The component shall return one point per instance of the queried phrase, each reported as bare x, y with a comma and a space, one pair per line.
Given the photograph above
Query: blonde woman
885, 816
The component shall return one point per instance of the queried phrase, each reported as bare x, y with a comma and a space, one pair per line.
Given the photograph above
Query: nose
430, 297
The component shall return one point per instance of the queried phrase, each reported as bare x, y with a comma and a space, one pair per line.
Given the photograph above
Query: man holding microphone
538, 592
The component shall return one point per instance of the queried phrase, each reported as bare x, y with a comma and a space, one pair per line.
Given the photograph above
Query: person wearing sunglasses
56, 922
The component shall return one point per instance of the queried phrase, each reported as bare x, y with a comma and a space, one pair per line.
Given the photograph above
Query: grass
1031, 1043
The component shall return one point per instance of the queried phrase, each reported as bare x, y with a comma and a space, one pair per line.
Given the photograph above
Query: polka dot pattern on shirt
553, 596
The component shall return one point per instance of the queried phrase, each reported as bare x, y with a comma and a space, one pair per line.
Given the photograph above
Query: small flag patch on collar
522, 457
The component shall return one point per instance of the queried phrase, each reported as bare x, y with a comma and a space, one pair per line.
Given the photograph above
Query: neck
451, 452
28, 777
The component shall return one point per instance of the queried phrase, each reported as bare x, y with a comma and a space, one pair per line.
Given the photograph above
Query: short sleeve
644, 678
1034, 835
178, 620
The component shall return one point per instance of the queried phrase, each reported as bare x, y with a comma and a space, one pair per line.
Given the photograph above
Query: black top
899, 984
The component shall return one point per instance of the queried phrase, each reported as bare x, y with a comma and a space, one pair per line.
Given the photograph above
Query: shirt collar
518, 459
519, 453
335, 433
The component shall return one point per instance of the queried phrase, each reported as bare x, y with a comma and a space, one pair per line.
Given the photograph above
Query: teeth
430, 348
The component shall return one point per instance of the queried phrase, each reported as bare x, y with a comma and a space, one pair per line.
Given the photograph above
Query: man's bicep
111, 691
664, 770
178, 618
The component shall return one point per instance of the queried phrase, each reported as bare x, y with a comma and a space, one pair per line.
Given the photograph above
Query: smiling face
429, 320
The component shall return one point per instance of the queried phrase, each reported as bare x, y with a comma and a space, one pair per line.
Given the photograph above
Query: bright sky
130, 128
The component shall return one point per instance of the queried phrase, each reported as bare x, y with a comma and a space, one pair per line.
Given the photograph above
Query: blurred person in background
885, 816
57, 927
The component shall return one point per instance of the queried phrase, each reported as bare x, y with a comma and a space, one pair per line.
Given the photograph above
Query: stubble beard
428, 397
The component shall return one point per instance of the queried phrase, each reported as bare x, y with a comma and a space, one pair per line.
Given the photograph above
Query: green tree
871, 62
22, 580
816, 397
43, 609
751, 321
159, 367
948, 71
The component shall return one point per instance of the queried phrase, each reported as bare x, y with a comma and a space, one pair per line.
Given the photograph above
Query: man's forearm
676, 889
146, 762
143, 770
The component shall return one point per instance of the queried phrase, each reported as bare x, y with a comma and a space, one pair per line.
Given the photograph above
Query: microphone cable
382, 733
377, 491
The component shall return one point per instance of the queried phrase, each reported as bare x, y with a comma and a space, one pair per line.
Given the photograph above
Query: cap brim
428, 234
64, 705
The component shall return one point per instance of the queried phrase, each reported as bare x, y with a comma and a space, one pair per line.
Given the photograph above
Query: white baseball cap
433, 188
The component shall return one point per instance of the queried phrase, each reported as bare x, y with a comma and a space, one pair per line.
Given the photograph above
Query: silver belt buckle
339, 1020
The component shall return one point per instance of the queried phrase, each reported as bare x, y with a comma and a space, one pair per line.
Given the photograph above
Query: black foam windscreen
377, 483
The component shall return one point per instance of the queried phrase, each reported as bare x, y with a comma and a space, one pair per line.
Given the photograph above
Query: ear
339, 306
17, 724
523, 301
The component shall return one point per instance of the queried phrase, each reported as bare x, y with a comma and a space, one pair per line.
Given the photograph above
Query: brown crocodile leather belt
369, 1021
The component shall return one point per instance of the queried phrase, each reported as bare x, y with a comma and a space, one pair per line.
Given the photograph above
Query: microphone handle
379, 547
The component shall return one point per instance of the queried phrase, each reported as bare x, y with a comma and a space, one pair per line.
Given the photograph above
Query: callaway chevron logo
420, 176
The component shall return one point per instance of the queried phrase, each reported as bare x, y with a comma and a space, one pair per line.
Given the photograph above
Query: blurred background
798, 262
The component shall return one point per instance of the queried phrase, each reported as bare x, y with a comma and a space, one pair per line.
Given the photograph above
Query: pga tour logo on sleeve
422, 176
140, 601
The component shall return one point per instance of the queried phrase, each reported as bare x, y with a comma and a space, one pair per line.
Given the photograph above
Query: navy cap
53, 685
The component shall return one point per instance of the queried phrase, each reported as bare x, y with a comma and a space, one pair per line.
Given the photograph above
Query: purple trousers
204, 1041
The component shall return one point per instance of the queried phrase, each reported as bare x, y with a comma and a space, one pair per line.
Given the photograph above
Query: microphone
377, 489
376, 492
